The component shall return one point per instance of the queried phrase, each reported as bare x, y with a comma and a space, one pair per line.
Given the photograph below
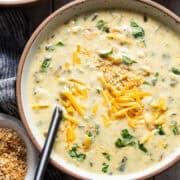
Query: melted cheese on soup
116, 75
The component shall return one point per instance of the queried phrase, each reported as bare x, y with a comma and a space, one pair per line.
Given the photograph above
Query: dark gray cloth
15, 30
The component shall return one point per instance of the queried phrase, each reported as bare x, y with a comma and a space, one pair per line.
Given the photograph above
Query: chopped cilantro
81, 157
60, 43
156, 74
90, 134
175, 129
146, 83
160, 130
125, 134
119, 143
45, 65
137, 31
175, 70
127, 61
142, 147
126, 139
104, 167
74, 154
107, 156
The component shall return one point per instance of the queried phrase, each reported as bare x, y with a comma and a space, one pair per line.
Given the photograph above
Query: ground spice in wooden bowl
13, 160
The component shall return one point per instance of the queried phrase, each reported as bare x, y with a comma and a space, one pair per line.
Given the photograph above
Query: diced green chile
90, 134
175, 129
101, 25
127, 61
107, 156
175, 70
105, 54
105, 168
146, 83
60, 43
45, 65
137, 31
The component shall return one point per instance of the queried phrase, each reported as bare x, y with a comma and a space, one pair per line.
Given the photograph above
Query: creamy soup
116, 76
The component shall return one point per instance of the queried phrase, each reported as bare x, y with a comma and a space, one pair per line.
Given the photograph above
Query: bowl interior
59, 17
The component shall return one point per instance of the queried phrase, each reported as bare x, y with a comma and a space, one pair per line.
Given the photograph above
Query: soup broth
116, 76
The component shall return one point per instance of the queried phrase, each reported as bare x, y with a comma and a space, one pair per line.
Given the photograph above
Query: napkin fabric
15, 30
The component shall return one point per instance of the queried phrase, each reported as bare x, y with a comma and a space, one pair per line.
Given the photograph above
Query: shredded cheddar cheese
87, 142
71, 119
160, 104
106, 120
77, 81
120, 38
124, 103
75, 56
145, 138
70, 133
76, 106
40, 106
95, 109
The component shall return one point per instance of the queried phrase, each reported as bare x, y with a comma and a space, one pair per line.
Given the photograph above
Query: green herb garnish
126, 139
105, 54
175, 70
146, 83
60, 43
107, 156
142, 147
74, 154
153, 81
127, 61
101, 25
81, 157
45, 65
104, 167
137, 31
119, 143
160, 130
175, 129
125, 134
155, 78
90, 134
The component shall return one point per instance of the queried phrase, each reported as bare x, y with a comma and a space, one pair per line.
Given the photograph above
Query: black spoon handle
42, 165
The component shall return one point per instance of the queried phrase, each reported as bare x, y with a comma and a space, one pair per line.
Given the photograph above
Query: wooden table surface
39, 11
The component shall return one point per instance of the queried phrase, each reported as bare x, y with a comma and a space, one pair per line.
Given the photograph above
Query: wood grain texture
38, 12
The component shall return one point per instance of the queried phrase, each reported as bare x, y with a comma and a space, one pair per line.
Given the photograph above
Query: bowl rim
19, 77
4, 3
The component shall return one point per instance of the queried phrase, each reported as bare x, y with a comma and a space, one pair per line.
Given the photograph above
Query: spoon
46, 151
